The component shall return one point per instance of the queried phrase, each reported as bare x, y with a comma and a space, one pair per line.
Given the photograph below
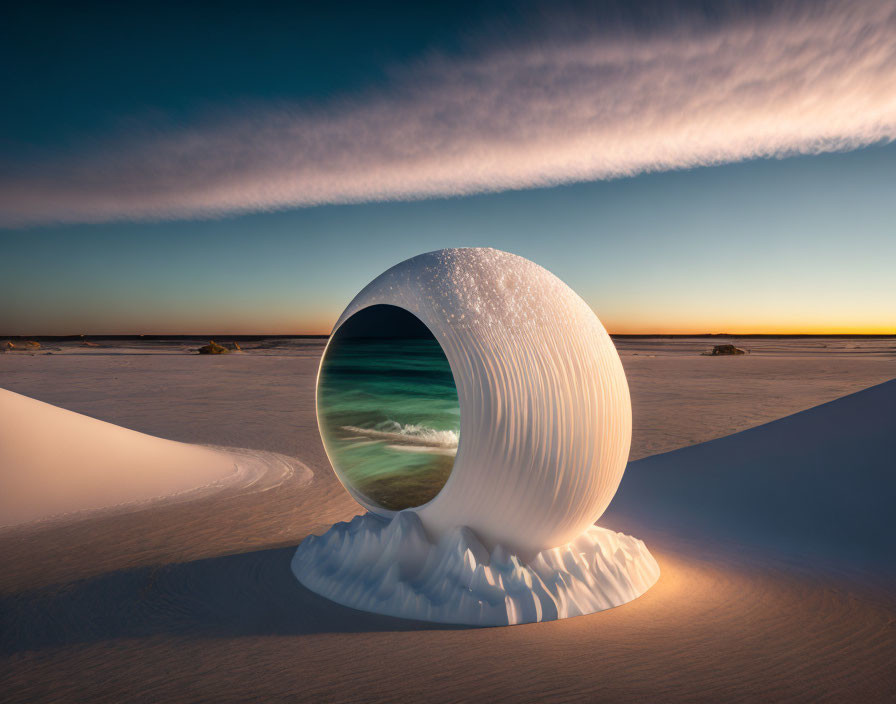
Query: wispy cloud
559, 107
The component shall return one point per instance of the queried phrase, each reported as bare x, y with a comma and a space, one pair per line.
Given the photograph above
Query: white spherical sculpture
544, 404
545, 432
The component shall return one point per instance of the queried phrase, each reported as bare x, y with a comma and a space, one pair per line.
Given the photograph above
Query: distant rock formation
33, 344
88, 343
725, 349
236, 346
213, 348
9, 346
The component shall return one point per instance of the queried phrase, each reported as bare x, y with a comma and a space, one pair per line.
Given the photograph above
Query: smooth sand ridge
814, 489
197, 603
54, 461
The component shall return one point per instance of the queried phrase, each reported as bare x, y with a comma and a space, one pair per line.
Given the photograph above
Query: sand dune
813, 489
58, 464
53, 461
772, 586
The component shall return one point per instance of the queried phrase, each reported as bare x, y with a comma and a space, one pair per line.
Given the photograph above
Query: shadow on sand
814, 490
253, 593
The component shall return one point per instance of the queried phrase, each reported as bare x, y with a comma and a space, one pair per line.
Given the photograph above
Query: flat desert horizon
191, 597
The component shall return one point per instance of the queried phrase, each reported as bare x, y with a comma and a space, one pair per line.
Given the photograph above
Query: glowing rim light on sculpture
544, 440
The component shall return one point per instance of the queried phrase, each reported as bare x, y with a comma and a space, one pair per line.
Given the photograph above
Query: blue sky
741, 238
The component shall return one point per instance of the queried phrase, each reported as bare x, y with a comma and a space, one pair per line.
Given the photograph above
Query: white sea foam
409, 434
447, 451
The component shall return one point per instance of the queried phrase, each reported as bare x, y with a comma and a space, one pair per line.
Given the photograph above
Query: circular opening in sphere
387, 408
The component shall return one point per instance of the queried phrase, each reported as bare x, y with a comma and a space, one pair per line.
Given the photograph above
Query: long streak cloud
805, 78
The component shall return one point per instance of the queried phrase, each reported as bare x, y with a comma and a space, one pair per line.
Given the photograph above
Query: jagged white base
391, 567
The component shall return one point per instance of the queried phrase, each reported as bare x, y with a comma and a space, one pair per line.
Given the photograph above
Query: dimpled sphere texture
545, 425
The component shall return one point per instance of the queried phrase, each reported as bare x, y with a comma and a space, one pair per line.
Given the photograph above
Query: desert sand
56, 462
777, 579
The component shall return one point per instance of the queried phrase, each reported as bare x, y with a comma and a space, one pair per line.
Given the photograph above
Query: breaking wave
409, 434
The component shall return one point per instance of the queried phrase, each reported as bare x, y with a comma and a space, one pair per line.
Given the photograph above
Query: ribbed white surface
545, 408
393, 568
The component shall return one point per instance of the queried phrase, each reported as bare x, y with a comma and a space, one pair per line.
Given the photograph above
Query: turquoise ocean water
390, 417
